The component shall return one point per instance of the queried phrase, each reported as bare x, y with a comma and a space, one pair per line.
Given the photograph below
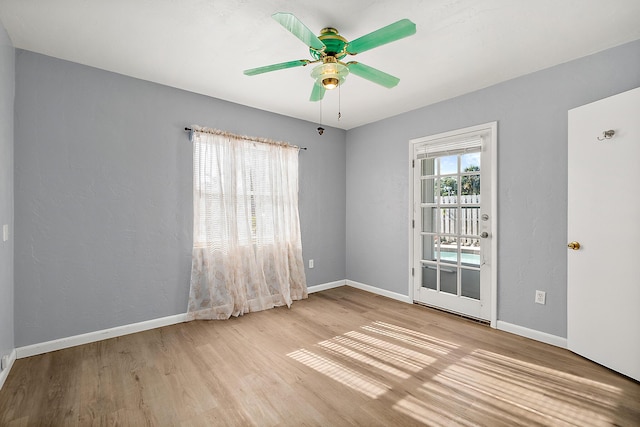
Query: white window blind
448, 147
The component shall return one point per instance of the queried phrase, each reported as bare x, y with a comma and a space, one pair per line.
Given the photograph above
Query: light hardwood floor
342, 357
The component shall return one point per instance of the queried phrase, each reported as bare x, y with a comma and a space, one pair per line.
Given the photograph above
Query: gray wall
532, 155
7, 86
103, 190
103, 200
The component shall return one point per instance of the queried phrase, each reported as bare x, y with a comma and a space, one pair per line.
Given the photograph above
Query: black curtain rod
189, 130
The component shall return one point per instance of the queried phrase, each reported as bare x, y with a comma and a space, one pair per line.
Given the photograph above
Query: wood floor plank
344, 357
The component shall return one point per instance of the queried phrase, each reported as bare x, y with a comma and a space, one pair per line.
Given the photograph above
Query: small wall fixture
607, 134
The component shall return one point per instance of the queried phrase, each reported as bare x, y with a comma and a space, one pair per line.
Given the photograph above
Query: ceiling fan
330, 47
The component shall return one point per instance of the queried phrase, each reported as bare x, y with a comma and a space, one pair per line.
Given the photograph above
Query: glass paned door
451, 226
450, 205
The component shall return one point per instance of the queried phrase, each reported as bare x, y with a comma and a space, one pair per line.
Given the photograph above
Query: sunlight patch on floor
349, 377
362, 358
408, 339
386, 354
463, 386
419, 359
352, 358
511, 390
548, 372
425, 337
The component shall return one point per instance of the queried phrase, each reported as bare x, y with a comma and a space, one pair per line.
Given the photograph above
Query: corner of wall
6, 365
7, 281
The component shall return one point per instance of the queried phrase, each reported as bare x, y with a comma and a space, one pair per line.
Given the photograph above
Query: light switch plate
5, 232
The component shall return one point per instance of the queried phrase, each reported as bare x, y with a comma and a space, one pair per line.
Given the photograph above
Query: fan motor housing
334, 42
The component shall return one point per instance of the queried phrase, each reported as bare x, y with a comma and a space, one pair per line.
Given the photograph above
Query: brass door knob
574, 245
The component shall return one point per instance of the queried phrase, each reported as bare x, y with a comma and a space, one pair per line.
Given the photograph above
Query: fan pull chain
339, 103
320, 128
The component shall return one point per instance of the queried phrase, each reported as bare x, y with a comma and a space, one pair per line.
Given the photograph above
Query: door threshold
464, 316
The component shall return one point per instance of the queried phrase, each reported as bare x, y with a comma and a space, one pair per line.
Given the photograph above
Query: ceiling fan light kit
330, 47
331, 73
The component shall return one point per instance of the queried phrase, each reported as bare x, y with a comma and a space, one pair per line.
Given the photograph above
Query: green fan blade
372, 74
298, 29
317, 93
274, 67
388, 34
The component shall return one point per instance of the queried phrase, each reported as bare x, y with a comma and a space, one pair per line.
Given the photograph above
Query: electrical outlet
541, 297
5, 232
310, 263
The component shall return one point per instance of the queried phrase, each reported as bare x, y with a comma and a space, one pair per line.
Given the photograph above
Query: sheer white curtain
247, 250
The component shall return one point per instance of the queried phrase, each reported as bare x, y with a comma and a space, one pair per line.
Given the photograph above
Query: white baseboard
325, 286
378, 291
5, 372
59, 344
45, 347
532, 334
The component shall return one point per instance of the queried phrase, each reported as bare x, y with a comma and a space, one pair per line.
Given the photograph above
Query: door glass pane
449, 249
449, 189
448, 165
449, 279
469, 221
429, 216
448, 220
470, 189
429, 248
429, 190
470, 283
429, 276
428, 167
470, 251
470, 162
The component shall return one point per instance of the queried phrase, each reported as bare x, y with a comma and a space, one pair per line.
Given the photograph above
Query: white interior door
452, 220
603, 283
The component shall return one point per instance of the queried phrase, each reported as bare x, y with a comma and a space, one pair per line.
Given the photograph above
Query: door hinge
413, 163
413, 223
413, 271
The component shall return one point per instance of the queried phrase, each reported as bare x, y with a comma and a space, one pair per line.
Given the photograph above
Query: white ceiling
204, 45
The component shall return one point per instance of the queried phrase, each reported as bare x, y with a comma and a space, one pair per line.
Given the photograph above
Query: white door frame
492, 129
